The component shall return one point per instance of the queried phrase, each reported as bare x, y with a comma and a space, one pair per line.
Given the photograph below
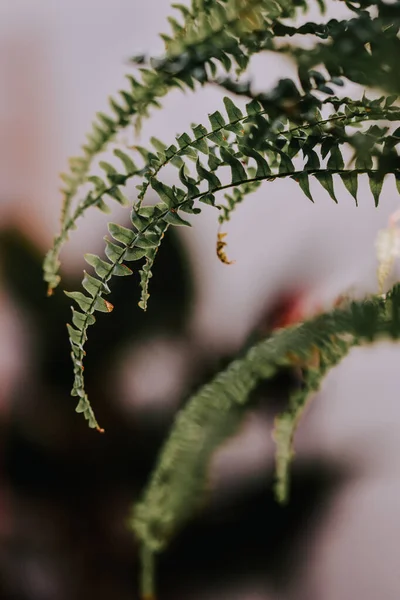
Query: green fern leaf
234, 113
350, 180
121, 234
200, 132
132, 254
213, 181
83, 301
164, 192
285, 165
128, 163
101, 267
303, 181
172, 218
375, 184
113, 251
326, 180
237, 170
121, 270
336, 159
80, 320
94, 286
138, 220
263, 169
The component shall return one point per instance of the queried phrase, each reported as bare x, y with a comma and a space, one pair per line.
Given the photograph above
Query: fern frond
262, 114
149, 225
363, 49
235, 149
177, 483
329, 352
220, 33
284, 100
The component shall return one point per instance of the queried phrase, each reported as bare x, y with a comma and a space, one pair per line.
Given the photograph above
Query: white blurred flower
387, 248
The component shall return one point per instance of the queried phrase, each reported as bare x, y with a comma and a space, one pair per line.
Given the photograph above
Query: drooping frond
252, 148
216, 34
177, 484
363, 49
330, 350
302, 130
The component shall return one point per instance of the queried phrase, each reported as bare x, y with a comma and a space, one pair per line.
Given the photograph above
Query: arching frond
302, 130
218, 33
214, 412
253, 148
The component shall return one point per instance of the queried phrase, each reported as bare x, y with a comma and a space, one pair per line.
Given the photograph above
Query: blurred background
66, 492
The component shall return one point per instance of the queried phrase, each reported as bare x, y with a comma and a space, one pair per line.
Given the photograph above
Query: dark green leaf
312, 161
116, 193
102, 305
336, 159
263, 169
138, 221
350, 180
101, 205
375, 184
326, 145
188, 182
121, 270
173, 218
148, 240
285, 165
164, 192
217, 121
121, 234
326, 181
101, 267
304, 183
75, 336
99, 184
109, 169
200, 143
364, 161
113, 251
83, 301
213, 181
94, 286
159, 146
128, 163
237, 171
234, 113
253, 108
148, 212
106, 120
208, 199
134, 254
390, 100
80, 320
213, 161
184, 143
117, 178
119, 111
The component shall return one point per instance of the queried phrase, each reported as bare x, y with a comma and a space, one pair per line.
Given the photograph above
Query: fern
215, 411
233, 142
221, 32
301, 129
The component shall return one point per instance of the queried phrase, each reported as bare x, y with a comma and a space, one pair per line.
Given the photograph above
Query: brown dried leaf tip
109, 306
221, 244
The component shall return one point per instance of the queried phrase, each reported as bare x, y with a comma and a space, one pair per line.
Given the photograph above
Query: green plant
298, 130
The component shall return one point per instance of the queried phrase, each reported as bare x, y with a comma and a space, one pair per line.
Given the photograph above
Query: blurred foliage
300, 129
69, 491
